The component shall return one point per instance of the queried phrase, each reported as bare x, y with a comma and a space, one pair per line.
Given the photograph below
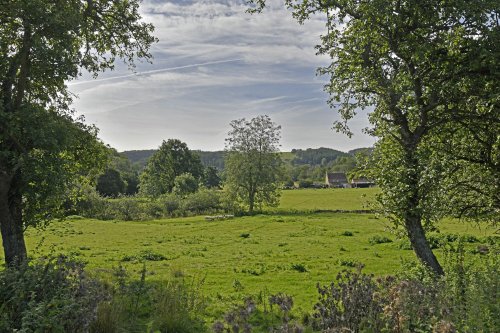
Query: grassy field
269, 253
327, 199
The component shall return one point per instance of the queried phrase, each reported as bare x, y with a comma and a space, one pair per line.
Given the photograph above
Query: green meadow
289, 250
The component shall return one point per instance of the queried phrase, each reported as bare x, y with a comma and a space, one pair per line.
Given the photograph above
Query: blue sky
215, 63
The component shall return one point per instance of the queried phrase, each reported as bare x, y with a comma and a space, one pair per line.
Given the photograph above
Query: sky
215, 63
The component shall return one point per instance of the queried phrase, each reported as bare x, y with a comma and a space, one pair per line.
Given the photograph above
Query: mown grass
269, 253
327, 199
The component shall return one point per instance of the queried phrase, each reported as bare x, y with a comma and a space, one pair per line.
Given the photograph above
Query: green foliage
211, 178
44, 151
185, 184
110, 184
428, 69
172, 159
161, 306
135, 208
64, 155
301, 268
203, 201
50, 295
319, 156
253, 165
377, 239
462, 301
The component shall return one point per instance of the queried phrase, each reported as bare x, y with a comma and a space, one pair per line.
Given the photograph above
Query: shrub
139, 306
127, 209
177, 307
50, 295
170, 202
347, 233
203, 201
153, 209
93, 206
185, 184
348, 304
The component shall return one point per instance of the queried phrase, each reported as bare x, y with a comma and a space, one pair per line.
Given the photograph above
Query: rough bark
420, 245
413, 215
11, 224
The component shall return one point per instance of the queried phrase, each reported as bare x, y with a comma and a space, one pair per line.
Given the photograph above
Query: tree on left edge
44, 151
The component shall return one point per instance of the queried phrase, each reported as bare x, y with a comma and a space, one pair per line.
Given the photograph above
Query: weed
237, 286
377, 239
151, 256
347, 263
299, 268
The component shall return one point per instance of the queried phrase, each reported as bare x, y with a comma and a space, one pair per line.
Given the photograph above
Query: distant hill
316, 156
208, 158
310, 156
139, 157
366, 151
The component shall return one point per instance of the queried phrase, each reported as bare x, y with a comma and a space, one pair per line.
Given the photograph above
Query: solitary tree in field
253, 166
172, 159
44, 151
430, 69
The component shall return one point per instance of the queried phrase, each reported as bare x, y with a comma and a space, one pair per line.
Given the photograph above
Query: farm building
361, 182
336, 179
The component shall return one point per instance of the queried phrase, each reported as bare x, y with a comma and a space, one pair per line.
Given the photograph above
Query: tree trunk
251, 202
413, 216
420, 245
11, 224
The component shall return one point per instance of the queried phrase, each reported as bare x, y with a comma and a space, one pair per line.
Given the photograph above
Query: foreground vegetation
221, 263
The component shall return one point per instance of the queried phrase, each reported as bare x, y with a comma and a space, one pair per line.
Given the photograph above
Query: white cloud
214, 63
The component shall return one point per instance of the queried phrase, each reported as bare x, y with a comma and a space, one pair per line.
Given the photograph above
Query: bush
465, 300
135, 209
140, 306
203, 201
50, 295
126, 209
348, 304
177, 307
170, 202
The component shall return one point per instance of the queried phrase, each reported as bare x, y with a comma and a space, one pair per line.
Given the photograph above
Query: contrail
75, 83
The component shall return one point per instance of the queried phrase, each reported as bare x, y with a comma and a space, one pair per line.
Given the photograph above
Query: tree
128, 172
110, 183
253, 166
211, 178
413, 61
185, 184
172, 159
43, 149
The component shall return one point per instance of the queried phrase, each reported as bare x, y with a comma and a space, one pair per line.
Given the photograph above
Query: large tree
253, 166
417, 63
43, 149
171, 160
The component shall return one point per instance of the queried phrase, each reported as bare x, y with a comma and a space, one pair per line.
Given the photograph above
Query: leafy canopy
45, 152
424, 69
253, 166
172, 159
